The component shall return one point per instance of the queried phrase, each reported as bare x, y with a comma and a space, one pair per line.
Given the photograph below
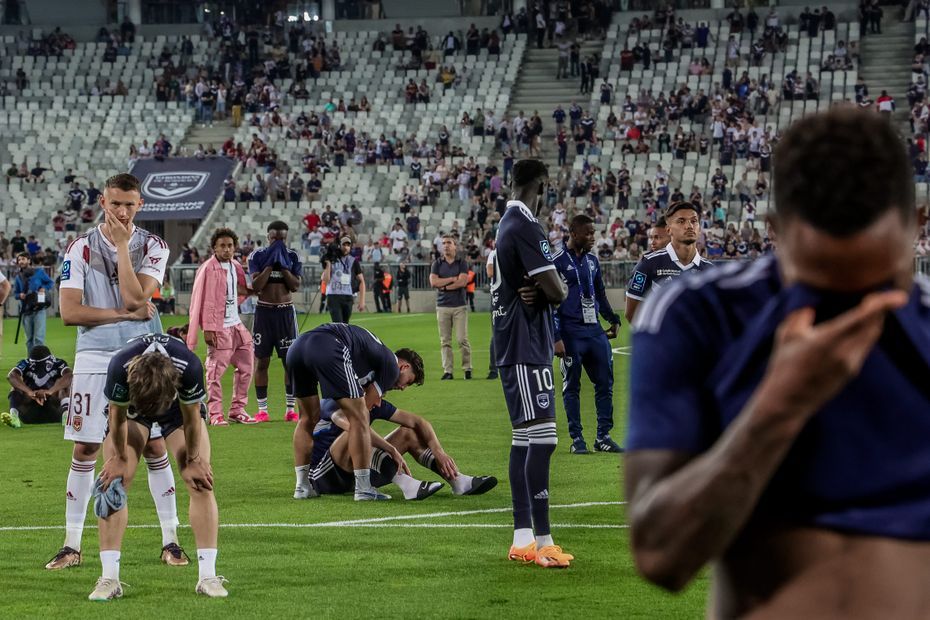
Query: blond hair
153, 384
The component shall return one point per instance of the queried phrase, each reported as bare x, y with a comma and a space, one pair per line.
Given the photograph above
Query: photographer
340, 268
31, 288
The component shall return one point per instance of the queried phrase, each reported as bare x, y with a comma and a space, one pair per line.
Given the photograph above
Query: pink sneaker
291, 416
261, 416
242, 418
217, 420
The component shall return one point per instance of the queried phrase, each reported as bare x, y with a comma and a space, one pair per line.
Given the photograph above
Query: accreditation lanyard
588, 310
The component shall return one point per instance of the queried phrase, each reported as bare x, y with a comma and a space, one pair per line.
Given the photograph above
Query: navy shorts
274, 329
330, 479
169, 421
529, 392
321, 365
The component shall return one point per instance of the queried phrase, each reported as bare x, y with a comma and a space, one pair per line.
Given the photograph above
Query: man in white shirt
398, 238
108, 278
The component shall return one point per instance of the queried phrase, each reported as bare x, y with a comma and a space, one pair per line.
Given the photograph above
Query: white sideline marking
374, 522
627, 350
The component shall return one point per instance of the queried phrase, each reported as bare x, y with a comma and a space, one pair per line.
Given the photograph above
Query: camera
330, 253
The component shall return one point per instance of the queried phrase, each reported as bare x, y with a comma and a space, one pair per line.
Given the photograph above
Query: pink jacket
208, 301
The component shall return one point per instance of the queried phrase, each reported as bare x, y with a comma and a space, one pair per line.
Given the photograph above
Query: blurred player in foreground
791, 450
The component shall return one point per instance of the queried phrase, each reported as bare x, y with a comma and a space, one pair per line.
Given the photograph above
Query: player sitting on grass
331, 464
155, 378
41, 385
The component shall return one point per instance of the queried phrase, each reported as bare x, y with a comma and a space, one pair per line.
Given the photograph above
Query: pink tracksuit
233, 344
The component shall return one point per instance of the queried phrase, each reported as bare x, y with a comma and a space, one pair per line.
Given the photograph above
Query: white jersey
90, 265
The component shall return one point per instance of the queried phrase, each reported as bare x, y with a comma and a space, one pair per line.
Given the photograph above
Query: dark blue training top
326, 432
522, 334
862, 464
582, 275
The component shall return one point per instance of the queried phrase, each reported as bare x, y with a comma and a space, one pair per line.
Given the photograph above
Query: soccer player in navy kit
155, 378
350, 365
330, 462
657, 269
525, 286
789, 444
580, 341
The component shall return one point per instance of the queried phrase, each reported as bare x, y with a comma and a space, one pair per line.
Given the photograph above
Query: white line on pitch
374, 522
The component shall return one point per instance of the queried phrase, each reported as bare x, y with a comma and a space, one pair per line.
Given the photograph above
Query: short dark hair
123, 181
277, 225
526, 171
24, 255
39, 352
219, 233
416, 363
579, 220
660, 223
841, 170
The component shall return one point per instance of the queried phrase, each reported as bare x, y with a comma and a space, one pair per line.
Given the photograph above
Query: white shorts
89, 409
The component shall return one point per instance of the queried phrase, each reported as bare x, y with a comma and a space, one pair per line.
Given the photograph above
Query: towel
110, 501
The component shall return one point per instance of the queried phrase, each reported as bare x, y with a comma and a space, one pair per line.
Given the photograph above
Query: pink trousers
234, 346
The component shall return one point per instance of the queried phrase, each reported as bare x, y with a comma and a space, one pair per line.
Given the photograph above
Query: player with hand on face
352, 366
791, 452
157, 379
108, 277
276, 272
525, 287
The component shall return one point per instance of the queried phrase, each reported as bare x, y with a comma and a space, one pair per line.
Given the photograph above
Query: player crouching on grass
331, 464
155, 378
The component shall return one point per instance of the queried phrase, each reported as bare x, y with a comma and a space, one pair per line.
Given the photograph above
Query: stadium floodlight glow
292, 18
316, 18
306, 16
206, 10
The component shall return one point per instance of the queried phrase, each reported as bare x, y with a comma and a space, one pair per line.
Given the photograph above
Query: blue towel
114, 499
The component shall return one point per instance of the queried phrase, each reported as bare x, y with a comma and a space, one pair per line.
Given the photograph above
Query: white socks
362, 480
206, 561
408, 485
79, 489
544, 541
303, 475
461, 484
110, 562
523, 537
161, 485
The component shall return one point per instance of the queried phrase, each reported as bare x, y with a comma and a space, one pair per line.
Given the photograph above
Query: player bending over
156, 379
331, 464
350, 365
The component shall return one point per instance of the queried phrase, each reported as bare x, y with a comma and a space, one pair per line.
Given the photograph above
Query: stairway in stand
886, 63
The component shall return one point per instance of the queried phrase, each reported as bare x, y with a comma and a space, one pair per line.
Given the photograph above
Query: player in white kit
107, 280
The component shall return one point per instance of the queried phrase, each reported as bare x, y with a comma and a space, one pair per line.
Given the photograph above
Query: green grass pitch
441, 558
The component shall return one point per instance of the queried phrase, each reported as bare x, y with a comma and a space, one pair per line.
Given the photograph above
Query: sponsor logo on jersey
173, 185
66, 270
154, 259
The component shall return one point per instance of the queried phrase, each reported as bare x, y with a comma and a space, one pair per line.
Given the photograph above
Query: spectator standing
339, 273
413, 226
403, 287
449, 276
31, 288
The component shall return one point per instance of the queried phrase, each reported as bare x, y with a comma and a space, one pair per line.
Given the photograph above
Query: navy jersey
656, 269
326, 432
582, 276
861, 464
41, 374
522, 334
372, 361
191, 387
273, 253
